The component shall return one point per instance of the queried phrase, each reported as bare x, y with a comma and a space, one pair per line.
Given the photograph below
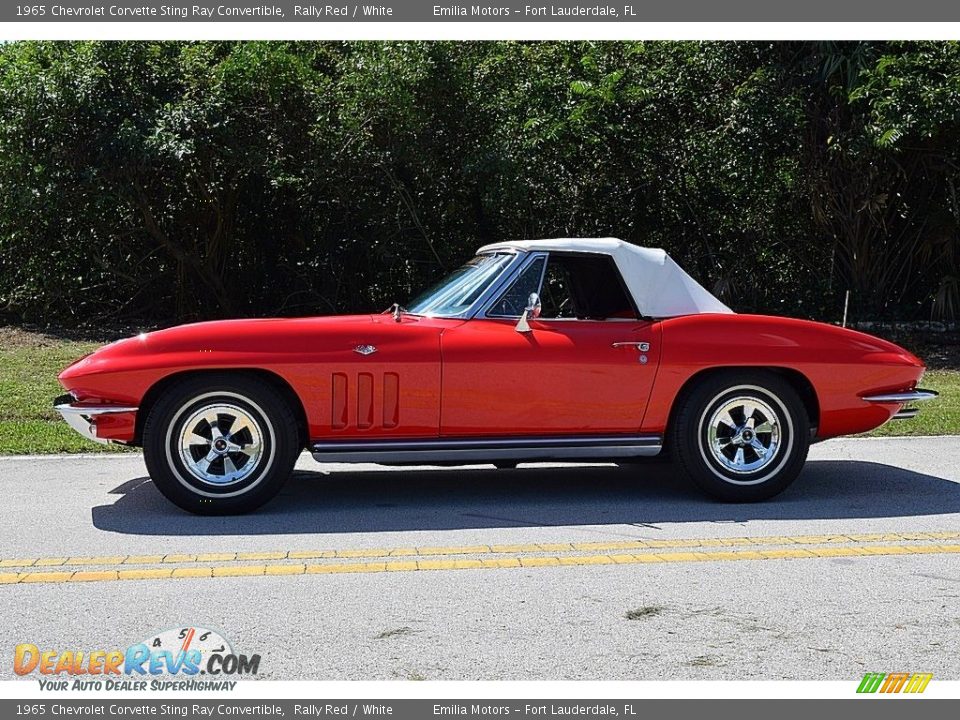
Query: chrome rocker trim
466, 450
81, 417
903, 398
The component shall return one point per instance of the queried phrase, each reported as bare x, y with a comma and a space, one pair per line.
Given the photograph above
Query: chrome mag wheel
744, 435
220, 444
741, 435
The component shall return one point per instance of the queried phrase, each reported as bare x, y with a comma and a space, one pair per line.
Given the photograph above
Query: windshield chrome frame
510, 273
529, 257
506, 275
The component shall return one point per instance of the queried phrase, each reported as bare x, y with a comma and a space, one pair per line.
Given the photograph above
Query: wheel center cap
220, 445
747, 435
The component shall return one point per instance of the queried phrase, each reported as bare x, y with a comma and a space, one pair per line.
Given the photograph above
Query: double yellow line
528, 555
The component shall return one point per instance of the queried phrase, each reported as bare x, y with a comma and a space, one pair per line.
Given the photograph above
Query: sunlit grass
28, 384
936, 417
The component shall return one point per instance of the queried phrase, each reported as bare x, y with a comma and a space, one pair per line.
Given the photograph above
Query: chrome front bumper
81, 417
903, 398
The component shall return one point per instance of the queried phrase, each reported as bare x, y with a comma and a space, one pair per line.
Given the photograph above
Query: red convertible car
532, 351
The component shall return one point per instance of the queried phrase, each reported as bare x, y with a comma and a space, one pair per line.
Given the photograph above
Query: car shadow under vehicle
351, 501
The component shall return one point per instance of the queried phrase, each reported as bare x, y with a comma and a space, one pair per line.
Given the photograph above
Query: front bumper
902, 398
83, 418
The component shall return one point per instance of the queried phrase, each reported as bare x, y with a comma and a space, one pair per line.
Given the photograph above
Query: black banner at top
615, 11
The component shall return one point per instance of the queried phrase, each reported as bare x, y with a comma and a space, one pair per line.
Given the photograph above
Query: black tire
719, 463
255, 409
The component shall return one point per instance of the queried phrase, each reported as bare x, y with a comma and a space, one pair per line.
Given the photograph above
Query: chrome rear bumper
81, 417
906, 414
903, 398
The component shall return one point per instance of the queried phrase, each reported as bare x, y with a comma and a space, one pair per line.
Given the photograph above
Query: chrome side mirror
534, 306
532, 310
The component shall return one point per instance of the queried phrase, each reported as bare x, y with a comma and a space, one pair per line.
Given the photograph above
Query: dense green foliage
172, 181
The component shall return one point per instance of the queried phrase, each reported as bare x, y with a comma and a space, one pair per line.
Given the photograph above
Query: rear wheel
742, 436
220, 445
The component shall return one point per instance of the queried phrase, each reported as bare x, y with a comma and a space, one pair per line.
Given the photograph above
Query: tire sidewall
193, 484
161, 451
689, 433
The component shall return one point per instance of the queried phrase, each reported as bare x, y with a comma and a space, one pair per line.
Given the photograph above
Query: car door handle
641, 346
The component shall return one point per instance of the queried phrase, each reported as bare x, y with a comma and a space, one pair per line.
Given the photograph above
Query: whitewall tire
741, 436
220, 444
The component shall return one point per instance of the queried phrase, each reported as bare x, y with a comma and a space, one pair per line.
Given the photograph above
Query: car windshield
461, 288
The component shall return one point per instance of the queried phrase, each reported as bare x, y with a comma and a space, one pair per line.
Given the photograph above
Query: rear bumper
902, 398
83, 418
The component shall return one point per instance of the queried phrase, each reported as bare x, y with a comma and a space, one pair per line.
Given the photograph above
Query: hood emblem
365, 349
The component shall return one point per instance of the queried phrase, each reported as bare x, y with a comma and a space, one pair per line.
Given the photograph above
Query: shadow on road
376, 501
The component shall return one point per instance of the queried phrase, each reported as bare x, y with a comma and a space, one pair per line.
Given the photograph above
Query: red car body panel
842, 366
563, 378
432, 377
394, 392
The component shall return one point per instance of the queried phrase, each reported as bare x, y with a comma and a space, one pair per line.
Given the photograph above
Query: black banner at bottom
785, 709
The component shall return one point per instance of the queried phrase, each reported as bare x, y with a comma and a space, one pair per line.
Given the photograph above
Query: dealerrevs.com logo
188, 658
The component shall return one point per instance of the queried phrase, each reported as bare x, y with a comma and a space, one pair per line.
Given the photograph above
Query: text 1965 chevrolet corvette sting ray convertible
533, 350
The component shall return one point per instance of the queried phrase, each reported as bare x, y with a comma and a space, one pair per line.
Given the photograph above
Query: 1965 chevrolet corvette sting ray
533, 350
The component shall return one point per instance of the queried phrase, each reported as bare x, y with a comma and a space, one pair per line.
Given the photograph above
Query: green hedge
175, 181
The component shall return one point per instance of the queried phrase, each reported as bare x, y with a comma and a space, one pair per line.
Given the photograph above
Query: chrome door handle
641, 346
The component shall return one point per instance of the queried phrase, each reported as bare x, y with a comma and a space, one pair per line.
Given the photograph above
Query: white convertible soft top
659, 286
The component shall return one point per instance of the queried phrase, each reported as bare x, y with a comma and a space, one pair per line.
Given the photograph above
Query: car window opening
573, 287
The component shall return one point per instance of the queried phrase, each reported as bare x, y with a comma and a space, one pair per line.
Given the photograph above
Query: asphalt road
579, 572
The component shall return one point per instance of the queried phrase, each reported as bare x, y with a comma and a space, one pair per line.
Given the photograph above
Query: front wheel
220, 445
742, 436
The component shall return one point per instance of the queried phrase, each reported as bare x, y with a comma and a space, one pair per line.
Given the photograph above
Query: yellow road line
408, 552
286, 568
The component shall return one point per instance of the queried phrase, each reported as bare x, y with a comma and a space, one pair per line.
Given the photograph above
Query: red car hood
273, 335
